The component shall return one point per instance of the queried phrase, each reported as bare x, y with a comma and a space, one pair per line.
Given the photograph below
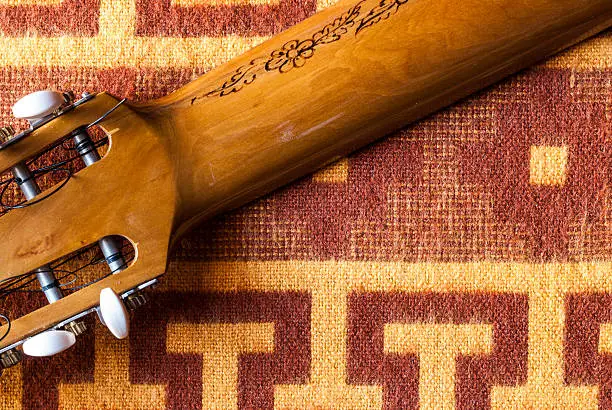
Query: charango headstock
71, 192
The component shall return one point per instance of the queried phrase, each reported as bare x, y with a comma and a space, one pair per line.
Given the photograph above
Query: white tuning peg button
114, 313
48, 343
38, 105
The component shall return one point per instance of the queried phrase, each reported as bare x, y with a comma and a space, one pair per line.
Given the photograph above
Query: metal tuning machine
39, 108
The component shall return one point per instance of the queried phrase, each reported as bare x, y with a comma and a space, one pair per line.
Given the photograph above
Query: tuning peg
38, 105
114, 313
49, 343
132, 302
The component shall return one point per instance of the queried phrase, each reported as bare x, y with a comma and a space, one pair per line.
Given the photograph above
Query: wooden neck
343, 78
318, 91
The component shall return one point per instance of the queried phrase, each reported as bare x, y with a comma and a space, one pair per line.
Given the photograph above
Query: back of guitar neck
343, 78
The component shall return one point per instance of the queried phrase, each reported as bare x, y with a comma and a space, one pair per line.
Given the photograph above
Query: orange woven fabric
464, 262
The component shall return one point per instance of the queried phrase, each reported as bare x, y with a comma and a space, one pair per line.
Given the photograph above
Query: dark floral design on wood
384, 10
295, 53
292, 54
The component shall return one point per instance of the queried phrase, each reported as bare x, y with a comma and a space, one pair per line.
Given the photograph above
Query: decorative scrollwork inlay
295, 53
384, 10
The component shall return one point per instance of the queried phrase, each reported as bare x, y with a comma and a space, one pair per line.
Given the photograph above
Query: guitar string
12, 284
65, 166
21, 283
58, 166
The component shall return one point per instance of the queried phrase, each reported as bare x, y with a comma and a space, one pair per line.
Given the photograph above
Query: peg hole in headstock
47, 172
23, 294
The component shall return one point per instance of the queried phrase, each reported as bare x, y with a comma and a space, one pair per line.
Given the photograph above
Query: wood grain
419, 56
329, 85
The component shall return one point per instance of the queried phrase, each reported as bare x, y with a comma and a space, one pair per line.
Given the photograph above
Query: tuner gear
10, 358
68, 97
49, 343
76, 328
6, 133
135, 300
38, 105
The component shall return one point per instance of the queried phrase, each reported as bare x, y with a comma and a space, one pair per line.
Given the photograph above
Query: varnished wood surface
367, 68
230, 149
130, 192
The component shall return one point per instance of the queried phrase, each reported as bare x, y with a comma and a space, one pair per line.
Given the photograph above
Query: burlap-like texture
463, 262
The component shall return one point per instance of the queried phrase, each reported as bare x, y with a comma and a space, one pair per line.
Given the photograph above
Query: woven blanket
464, 262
